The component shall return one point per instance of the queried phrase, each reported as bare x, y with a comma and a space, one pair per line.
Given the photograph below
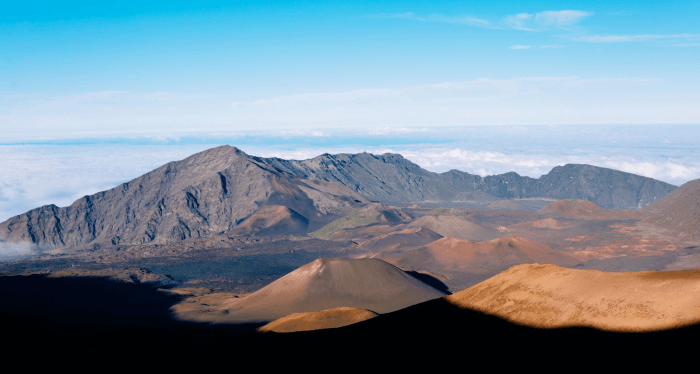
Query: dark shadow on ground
429, 280
100, 323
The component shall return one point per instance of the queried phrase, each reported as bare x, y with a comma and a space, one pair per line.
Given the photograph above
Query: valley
238, 242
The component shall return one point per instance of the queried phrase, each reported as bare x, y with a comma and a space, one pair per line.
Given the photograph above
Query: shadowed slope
322, 284
549, 296
90, 322
325, 319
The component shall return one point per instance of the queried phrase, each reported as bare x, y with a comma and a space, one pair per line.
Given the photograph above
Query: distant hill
325, 283
679, 210
390, 178
207, 193
454, 226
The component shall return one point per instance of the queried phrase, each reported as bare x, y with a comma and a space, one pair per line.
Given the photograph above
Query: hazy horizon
61, 171
93, 95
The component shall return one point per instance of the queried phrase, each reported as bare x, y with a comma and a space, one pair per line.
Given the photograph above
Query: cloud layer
36, 175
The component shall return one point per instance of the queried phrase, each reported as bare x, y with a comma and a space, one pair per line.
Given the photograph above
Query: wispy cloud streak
631, 38
465, 20
550, 18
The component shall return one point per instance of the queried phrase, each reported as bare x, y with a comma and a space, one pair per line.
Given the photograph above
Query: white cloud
560, 18
396, 130
557, 18
36, 175
525, 162
519, 21
407, 15
301, 133
534, 47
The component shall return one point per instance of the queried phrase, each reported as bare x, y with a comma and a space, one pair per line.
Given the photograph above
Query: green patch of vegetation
443, 211
355, 218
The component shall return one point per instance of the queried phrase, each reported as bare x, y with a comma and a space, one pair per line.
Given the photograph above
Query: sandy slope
550, 296
325, 319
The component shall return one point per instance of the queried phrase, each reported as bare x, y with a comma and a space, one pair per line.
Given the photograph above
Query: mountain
390, 178
679, 210
213, 191
207, 193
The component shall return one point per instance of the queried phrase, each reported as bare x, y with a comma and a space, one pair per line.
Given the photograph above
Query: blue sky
76, 69
96, 93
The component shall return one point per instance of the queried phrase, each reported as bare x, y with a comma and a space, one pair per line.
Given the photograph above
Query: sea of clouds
32, 175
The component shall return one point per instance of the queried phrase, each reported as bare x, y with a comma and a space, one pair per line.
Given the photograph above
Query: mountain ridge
402, 181
213, 191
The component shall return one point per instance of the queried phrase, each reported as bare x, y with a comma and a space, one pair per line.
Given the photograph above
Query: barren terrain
309, 256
